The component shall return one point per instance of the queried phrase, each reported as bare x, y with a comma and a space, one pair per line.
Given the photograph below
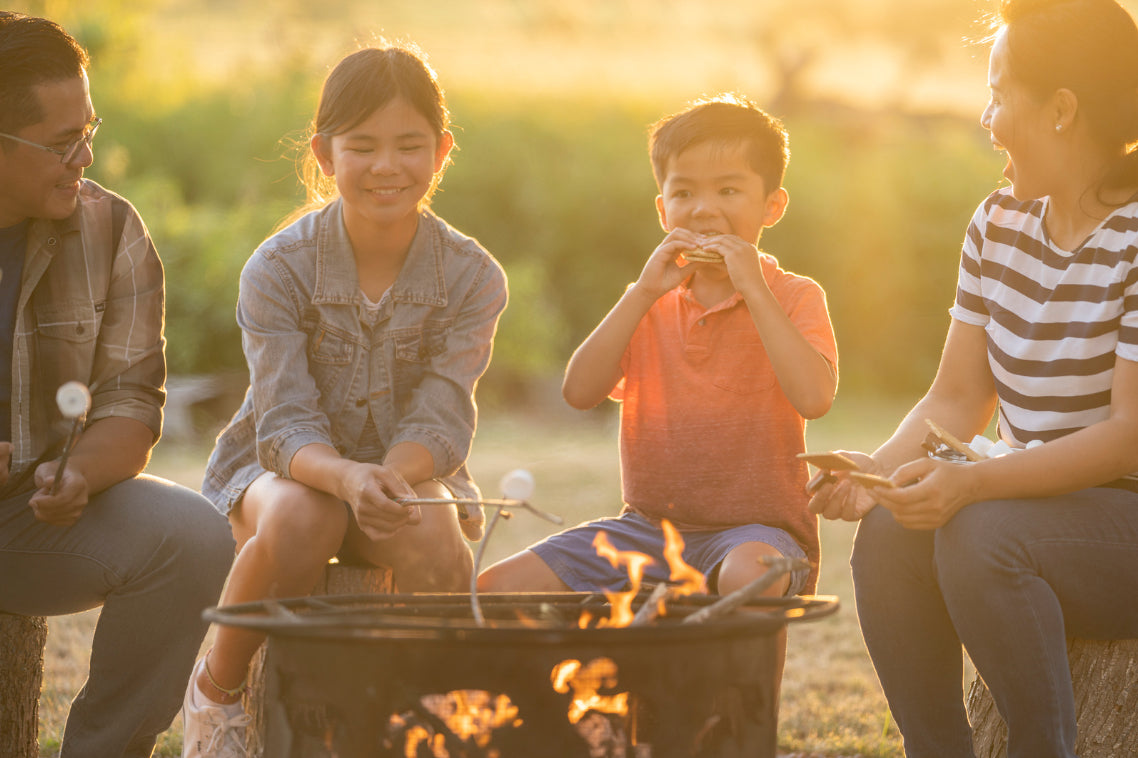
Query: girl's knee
296, 522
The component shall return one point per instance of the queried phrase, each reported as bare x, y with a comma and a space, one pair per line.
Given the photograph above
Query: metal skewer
517, 488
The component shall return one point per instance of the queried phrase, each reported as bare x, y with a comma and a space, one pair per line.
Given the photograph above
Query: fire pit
419, 676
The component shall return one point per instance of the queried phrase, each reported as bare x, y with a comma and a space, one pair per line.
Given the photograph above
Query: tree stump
1105, 678
22, 640
338, 579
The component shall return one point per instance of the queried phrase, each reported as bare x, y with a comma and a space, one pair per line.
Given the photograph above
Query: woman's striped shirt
1055, 320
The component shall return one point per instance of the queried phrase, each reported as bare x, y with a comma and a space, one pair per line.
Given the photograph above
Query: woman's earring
1058, 127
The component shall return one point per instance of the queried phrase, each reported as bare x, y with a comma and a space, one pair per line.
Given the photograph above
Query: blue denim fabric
1011, 580
154, 555
316, 370
573, 557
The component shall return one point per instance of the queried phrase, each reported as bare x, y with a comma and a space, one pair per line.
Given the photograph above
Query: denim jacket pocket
420, 344
331, 352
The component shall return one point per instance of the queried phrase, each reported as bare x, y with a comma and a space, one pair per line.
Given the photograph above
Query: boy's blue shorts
574, 559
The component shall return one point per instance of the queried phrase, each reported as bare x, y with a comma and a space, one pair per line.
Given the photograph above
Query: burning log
776, 567
654, 605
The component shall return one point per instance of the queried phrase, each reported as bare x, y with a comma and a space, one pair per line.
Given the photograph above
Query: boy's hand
740, 257
662, 272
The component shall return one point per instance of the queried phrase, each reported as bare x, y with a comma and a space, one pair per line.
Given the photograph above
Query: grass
831, 702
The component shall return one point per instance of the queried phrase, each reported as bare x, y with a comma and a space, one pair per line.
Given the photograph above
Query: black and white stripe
1055, 320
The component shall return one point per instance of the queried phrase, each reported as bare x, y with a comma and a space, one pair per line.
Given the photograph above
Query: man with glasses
81, 300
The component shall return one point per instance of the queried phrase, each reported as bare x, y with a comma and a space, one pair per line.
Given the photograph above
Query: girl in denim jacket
366, 324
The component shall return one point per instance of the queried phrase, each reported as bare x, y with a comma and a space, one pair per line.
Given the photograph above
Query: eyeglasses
71, 150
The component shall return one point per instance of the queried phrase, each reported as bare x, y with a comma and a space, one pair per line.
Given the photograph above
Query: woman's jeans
154, 555
1011, 580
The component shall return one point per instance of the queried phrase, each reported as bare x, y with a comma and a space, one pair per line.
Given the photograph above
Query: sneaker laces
226, 734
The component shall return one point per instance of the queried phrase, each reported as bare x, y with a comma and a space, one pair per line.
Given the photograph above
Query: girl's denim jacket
316, 369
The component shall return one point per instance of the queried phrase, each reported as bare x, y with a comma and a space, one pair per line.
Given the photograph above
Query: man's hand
64, 507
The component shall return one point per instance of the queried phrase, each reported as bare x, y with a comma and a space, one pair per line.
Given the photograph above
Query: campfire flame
470, 715
687, 579
620, 613
690, 581
586, 683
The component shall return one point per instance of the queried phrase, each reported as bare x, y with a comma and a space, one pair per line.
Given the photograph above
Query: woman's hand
372, 490
929, 492
845, 500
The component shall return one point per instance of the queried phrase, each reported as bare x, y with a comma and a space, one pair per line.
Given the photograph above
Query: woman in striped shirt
1011, 555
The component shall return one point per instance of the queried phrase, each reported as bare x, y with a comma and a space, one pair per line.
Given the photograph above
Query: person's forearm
594, 368
320, 467
111, 450
411, 461
963, 419
1092, 456
807, 379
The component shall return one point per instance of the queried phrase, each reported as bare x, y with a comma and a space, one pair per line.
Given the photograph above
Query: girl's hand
845, 500
662, 272
371, 490
64, 507
929, 492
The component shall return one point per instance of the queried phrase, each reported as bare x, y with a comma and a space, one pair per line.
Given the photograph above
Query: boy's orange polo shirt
707, 437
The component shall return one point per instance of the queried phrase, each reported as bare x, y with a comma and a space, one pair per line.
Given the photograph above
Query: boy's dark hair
32, 51
727, 118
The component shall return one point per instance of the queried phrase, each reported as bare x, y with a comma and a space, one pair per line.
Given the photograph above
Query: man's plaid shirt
90, 310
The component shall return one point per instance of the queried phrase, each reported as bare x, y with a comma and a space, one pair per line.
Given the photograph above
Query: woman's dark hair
1091, 48
362, 83
32, 51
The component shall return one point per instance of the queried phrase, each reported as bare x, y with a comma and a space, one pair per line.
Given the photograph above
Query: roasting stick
74, 400
728, 603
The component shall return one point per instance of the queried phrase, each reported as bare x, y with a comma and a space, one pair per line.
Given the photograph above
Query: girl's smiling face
385, 165
1020, 125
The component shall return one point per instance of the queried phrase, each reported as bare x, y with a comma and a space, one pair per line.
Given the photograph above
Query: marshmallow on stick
74, 400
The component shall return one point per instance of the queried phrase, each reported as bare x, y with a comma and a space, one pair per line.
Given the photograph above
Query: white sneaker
211, 730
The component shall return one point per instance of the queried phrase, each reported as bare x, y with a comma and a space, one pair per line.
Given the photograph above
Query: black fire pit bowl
413, 676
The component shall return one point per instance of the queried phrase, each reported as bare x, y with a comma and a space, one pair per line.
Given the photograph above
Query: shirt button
702, 321
361, 402
51, 241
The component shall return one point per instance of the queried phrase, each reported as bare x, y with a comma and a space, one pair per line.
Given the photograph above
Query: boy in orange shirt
718, 357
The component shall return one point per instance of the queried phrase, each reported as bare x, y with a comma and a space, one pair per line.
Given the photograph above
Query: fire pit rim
363, 617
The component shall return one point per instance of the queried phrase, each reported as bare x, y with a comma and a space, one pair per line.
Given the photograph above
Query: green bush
560, 190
